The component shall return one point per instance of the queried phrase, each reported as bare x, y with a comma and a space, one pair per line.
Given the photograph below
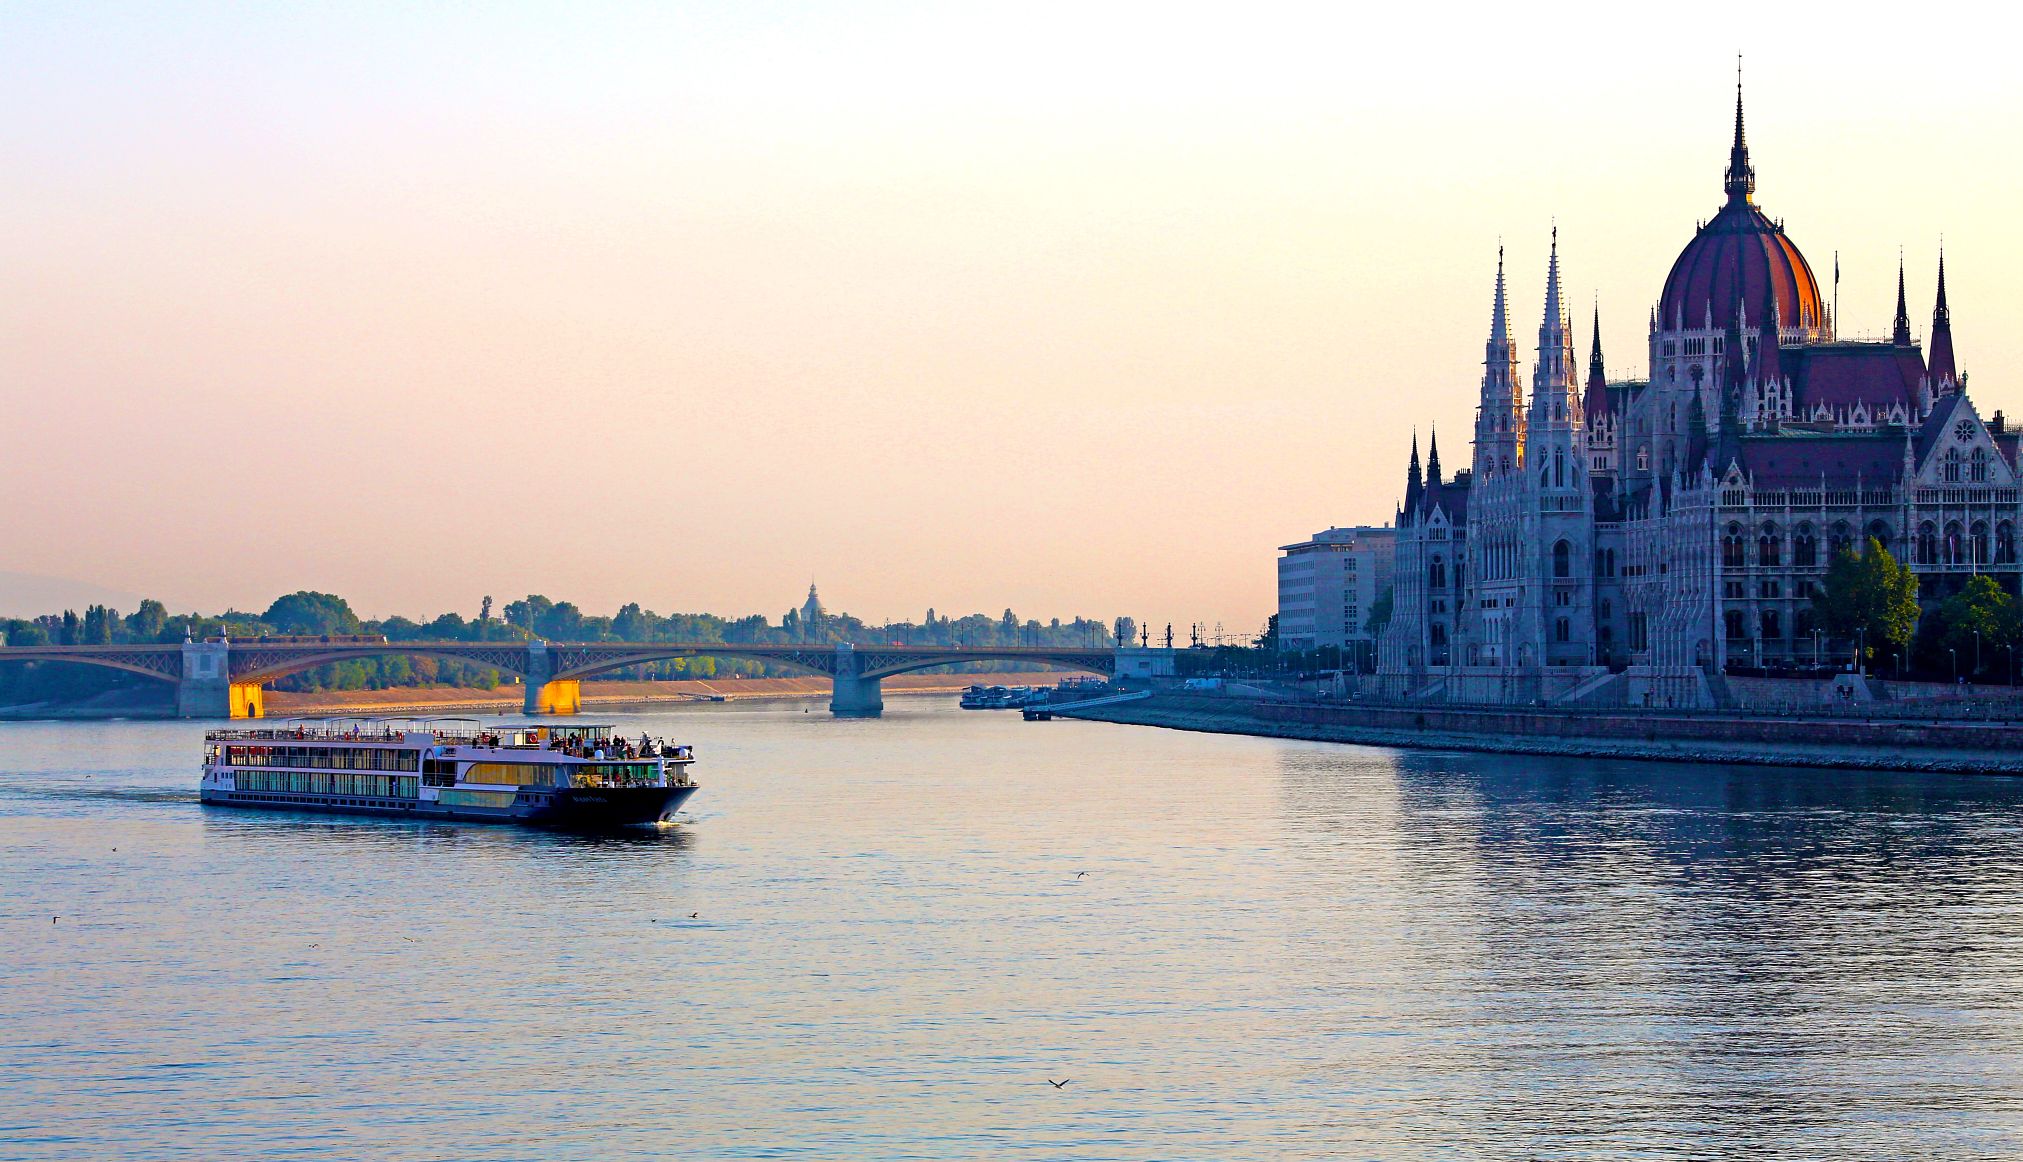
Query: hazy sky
1077, 309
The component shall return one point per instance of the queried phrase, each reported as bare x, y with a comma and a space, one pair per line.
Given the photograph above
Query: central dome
1741, 257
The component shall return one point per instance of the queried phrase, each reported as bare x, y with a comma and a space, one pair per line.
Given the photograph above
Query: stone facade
1647, 536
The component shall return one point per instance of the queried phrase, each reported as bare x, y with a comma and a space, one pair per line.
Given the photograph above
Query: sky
1077, 309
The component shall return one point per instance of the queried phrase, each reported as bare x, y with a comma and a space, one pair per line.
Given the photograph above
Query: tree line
533, 617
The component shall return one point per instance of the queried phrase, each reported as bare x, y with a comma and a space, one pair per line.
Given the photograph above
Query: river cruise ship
575, 776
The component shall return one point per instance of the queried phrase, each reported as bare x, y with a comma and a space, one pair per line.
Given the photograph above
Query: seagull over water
1061, 1084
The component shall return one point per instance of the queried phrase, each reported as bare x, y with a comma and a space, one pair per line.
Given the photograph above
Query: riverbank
615, 695
1963, 748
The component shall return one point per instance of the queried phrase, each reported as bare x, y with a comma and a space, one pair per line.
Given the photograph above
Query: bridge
227, 679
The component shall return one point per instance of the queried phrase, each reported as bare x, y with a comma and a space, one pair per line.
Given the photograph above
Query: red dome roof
1740, 257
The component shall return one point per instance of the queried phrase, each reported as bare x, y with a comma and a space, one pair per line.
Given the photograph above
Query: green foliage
1380, 612
1868, 597
1970, 632
304, 612
314, 613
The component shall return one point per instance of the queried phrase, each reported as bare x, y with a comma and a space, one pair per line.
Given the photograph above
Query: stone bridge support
546, 695
851, 694
206, 689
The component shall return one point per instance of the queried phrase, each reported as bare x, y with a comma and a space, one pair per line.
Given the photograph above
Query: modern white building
1327, 584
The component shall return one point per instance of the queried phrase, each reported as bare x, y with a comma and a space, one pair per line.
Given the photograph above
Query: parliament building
1630, 542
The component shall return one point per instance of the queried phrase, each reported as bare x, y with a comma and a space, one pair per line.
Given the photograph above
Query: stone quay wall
1879, 744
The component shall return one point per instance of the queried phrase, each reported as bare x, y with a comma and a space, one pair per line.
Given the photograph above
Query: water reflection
1625, 956
873, 942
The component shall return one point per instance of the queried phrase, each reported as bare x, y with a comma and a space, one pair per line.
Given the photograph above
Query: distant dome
1741, 257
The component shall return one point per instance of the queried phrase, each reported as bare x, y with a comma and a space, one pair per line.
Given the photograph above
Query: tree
307, 612
563, 622
1380, 612
1868, 598
1979, 608
633, 624
1268, 640
147, 623
1126, 631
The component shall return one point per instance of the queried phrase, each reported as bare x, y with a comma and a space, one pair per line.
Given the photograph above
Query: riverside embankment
1786, 740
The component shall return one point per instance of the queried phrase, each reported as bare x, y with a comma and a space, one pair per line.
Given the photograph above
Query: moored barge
574, 776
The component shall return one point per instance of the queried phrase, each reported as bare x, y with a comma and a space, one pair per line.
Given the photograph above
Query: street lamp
1955, 656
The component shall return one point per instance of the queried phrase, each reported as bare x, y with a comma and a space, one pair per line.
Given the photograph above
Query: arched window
1562, 565
1950, 466
1732, 548
1436, 574
1733, 622
1928, 544
1561, 631
1952, 548
1769, 546
1644, 458
1880, 531
1977, 466
1605, 608
2005, 543
1841, 539
1804, 548
1773, 626
1977, 542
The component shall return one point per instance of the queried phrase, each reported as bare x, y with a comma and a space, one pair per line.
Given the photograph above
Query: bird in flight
1061, 1084
694, 915
1079, 875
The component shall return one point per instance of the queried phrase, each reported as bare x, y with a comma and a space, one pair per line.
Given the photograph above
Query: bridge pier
555, 696
206, 689
546, 695
851, 695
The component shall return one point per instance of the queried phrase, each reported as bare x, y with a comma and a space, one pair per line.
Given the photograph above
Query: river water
1227, 947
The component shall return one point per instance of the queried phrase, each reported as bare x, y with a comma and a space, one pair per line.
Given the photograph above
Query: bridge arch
173, 672
813, 661
885, 666
259, 668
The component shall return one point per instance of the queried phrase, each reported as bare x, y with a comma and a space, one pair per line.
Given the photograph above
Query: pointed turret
1595, 376
1769, 365
1740, 180
1499, 416
1414, 488
1943, 370
1555, 452
1900, 334
1596, 403
1433, 461
1553, 388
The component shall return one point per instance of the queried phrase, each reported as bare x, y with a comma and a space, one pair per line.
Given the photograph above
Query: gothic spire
1901, 333
1942, 367
1413, 485
1596, 377
1433, 461
1740, 179
1499, 315
1555, 314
